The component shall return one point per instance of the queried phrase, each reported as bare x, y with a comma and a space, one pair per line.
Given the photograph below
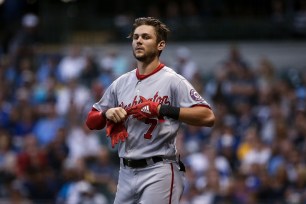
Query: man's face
145, 46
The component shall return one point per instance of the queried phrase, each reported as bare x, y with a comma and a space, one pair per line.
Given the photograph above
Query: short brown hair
161, 29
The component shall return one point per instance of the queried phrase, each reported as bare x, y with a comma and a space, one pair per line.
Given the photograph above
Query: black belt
141, 163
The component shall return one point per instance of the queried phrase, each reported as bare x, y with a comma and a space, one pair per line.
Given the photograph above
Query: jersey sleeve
108, 100
95, 120
187, 95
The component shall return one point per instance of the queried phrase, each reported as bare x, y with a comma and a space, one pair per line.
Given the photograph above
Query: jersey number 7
152, 122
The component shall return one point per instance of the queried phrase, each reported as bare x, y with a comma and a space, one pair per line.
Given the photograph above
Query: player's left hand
144, 110
116, 131
116, 114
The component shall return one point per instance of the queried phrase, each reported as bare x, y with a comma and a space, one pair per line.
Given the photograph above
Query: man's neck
147, 68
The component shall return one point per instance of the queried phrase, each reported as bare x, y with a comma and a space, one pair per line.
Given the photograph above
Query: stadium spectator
82, 143
184, 64
48, 124
71, 64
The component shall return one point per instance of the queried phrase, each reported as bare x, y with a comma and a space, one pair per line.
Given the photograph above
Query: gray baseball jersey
152, 137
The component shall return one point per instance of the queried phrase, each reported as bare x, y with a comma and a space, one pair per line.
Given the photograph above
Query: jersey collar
143, 76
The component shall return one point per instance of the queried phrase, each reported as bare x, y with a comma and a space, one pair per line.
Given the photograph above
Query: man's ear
161, 45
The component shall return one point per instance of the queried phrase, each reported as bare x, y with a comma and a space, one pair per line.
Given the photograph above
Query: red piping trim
142, 76
207, 106
172, 182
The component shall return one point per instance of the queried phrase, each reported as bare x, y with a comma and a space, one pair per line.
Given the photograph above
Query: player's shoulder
172, 73
127, 75
125, 79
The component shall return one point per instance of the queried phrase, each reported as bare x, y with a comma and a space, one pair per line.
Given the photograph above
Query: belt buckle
128, 162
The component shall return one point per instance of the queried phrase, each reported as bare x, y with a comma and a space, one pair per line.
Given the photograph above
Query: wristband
169, 111
104, 114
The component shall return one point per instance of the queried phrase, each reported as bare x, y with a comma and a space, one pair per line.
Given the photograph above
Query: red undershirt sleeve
95, 120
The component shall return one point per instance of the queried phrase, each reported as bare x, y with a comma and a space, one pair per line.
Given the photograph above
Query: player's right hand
144, 110
117, 114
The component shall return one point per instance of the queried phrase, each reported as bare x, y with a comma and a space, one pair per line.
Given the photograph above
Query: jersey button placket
138, 89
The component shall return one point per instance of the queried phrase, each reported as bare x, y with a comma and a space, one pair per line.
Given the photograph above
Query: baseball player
142, 111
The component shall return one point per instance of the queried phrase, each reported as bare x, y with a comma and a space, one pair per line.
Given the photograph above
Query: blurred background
247, 58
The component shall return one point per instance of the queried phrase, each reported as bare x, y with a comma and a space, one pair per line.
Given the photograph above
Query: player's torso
150, 137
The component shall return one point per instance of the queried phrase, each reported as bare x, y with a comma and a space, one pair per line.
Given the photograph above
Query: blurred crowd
255, 153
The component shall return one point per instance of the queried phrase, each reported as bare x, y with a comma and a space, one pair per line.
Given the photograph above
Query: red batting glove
116, 131
146, 109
